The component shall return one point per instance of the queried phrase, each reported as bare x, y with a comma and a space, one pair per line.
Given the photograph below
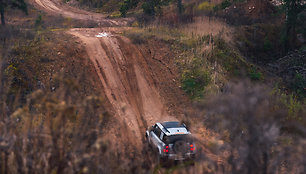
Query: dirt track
121, 68
131, 93
56, 7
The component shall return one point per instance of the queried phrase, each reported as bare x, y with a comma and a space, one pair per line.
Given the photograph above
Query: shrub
148, 8
206, 6
137, 38
267, 45
194, 82
224, 4
254, 74
252, 124
38, 21
299, 85
127, 5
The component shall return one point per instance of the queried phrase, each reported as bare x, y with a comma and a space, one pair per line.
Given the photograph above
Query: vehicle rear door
156, 137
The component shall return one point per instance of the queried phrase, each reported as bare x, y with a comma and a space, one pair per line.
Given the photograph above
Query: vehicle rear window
173, 138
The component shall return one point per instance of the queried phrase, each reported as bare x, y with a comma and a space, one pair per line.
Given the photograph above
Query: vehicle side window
153, 127
161, 135
165, 139
157, 132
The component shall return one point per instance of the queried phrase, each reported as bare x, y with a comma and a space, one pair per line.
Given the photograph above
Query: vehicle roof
173, 128
171, 124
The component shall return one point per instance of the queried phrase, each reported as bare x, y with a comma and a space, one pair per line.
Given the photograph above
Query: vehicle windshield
173, 138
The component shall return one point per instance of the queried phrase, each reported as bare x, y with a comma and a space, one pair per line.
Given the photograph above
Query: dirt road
122, 71
121, 68
57, 7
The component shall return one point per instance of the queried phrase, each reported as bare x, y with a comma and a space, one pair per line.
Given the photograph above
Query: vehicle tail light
166, 150
192, 147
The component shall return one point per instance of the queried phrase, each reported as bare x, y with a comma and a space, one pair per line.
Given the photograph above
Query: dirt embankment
126, 79
122, 68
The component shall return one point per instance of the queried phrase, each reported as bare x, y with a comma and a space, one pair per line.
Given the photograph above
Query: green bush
127, 5
38, 21
254, 74
299, 85
225, 4
206, 6
267, 45
148, 8
153, 7
194, 82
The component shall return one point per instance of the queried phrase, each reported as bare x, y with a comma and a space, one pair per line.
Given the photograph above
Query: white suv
172, 140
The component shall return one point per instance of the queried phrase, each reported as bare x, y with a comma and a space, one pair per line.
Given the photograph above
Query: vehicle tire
158, 158
163, 162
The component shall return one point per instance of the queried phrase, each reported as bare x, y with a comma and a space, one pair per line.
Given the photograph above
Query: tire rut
120, 67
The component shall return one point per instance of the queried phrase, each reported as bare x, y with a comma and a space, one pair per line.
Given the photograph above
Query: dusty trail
122, 71
126, 76
121, 68
57, 7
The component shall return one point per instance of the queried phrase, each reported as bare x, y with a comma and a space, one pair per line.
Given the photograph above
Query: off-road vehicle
171, 140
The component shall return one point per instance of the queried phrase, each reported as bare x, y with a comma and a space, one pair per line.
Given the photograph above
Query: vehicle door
152, 134
156, 137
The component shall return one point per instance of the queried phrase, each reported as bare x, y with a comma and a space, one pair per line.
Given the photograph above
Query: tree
179, 7
293, 9
127, 5
153, 7
253, 124
19, 4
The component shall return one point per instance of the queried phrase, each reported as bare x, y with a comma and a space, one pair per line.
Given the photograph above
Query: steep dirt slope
124, 74
121, 68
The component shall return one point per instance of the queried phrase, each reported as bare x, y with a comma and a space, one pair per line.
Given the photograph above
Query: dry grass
205, 25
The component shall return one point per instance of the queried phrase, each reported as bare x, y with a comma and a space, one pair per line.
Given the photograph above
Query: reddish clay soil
126, 78
57, 7
130, 83
140, 81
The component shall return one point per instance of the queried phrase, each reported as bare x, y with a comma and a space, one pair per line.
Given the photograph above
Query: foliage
194, 82
153, 7
38, 21
299, 85
127, 5
19, 4
260, 42
223, 5
231, 61
206, 6
253, 125
93, 3
137, 37
267, 45
254, 74
293, 9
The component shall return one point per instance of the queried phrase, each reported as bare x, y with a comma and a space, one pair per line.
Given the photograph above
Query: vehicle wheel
158, 158
164, 162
